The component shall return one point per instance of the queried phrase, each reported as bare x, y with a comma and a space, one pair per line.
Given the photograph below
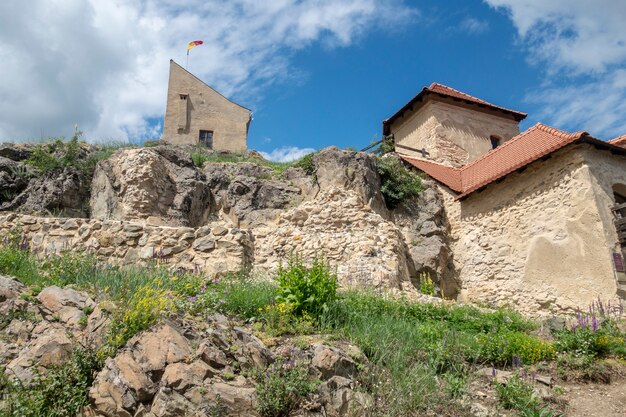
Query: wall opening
495, 141
205, 138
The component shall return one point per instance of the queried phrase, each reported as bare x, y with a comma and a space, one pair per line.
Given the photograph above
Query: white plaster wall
451, 134
536, 240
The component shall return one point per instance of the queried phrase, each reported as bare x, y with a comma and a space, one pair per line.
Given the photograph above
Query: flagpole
187, 66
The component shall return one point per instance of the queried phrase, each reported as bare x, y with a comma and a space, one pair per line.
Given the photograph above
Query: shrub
306, 163
426, 284
508, 347
516, 393
60, 392
306, 290
137, 313
281, 387
398, 183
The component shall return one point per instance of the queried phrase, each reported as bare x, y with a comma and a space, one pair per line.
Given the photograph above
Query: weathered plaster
537, 240
451, 134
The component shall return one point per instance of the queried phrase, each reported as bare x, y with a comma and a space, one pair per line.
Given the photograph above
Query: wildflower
191, 299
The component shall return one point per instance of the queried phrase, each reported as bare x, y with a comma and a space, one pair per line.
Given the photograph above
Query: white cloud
582, 46
103, 64
287, 154
474, 26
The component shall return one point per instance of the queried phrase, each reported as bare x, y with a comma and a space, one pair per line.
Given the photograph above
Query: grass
201, 157
420, 356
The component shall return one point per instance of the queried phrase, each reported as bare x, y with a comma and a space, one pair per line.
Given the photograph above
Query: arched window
495, 141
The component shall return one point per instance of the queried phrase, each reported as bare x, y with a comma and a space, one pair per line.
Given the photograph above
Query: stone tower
196, 114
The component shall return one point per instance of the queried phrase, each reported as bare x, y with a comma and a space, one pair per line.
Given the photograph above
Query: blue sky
315, 72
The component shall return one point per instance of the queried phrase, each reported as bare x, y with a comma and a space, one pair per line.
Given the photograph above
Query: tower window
206, 138
495, 141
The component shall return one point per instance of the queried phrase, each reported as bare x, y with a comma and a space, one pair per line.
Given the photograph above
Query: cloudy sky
315, 72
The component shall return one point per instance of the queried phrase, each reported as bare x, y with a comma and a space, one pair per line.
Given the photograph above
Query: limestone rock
10, 288
156, 184
332, 362
51, 347
354, 171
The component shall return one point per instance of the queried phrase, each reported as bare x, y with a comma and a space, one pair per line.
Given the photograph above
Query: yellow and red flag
192, 45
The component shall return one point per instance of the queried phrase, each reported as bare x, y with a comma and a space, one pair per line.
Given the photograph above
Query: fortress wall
213, 249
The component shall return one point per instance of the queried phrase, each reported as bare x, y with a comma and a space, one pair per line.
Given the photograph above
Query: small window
495, 141
206, 138
183, 96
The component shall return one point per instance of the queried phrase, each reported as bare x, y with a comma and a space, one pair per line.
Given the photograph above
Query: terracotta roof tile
529, 146
620, 141
443, 90
444, 174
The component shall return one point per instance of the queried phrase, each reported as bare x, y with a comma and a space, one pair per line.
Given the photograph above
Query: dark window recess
495, 141
206, 138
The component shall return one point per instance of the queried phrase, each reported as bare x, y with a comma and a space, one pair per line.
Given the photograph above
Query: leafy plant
505, 348
60, 392
398, 183
426, 284
306, 290
516, 393
306, 163
139, 312
282, 386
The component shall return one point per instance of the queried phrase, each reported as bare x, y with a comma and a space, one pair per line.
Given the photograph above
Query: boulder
65, 305
10, 288
158, 184
51, 347
330, 362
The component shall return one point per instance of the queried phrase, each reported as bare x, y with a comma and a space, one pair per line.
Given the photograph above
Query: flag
192, 44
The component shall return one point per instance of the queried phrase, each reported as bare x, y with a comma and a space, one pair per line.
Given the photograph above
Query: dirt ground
596, 400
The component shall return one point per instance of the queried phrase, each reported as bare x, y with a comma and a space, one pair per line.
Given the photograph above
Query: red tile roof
620, 141
529, 146
445, 91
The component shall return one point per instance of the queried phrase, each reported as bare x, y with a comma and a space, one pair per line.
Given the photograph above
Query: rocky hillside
334, 206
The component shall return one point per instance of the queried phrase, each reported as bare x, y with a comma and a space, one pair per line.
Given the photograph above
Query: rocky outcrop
59, 192
175, 369
426, 233
159, 185
354, 171
178, 367
35, 335
253, 196
14, 177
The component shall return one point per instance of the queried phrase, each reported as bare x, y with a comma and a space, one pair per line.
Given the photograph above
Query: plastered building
537, 219
196, 114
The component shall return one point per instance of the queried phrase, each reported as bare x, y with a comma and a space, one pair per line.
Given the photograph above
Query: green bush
282, 387
583, 341
60, 392
398, 183
426, 284
517, 393
306, 163
306, 290
507, 347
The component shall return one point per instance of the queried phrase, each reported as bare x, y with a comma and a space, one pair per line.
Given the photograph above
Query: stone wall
536, 240
451, 134
367, 250
205, 109
213, 249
